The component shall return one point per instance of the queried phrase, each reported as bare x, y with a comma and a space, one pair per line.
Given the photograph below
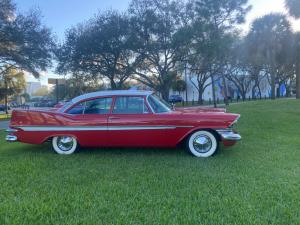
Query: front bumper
11, 137
229, 135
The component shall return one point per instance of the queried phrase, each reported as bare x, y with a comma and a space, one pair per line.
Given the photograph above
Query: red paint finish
228, 143
168, 129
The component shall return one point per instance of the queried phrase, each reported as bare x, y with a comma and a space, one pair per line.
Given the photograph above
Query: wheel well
184, 140
49, 139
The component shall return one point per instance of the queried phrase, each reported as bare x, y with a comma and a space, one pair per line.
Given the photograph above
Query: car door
91, 118
131, 123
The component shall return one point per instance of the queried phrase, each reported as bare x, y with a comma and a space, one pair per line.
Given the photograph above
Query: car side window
95, 106
77, 109
98, 106
130, 105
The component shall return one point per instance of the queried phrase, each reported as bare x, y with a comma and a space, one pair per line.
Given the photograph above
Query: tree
24, 42
179, 85
213, 31
293, 7
238, 68
252, 62
12, 82
271, 40
161, 43
297, 62
100, 48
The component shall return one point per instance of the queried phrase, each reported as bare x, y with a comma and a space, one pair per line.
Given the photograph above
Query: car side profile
124, 119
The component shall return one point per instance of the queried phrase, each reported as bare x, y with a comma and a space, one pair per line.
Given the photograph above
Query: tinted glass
130, 105
95, 106
77, 109
158, 105
98, 106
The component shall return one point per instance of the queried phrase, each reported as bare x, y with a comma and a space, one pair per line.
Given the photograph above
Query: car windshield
158, 105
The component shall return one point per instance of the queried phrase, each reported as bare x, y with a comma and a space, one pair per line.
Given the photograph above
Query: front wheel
202, 144
64, 145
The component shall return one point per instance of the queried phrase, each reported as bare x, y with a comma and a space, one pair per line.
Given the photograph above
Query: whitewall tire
64, 145
202, 144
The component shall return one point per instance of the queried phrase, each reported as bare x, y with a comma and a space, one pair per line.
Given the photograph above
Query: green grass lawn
255, 182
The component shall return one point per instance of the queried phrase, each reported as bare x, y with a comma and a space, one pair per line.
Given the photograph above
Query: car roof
111, 93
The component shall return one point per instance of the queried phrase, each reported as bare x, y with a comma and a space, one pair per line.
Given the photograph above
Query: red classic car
124, 118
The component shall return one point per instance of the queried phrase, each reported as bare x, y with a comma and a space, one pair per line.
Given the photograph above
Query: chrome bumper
10, 137
229, 135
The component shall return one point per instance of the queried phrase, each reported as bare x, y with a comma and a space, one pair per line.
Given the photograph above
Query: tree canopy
24, 42
293, 7
101, 47
271, 40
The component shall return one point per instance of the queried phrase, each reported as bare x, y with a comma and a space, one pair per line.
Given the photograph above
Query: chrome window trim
152, 108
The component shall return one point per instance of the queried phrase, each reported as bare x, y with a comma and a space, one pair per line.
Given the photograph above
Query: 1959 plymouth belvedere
127, 119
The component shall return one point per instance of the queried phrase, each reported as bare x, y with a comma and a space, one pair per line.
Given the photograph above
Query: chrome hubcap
202, 143
65, 143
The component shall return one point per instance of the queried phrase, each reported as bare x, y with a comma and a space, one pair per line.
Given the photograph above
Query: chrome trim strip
11, 138
10, 130
56, 128
229, 135
97, 128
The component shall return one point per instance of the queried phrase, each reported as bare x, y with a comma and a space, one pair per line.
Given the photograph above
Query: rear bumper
229, 135
11, 137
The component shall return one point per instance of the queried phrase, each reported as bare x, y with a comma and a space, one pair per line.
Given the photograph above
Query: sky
60, 15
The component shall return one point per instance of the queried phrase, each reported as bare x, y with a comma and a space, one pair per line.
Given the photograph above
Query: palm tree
293, 7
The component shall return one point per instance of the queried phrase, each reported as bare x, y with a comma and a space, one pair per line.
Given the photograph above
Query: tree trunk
273, 86
200, 98
243, 95
165, 93
225, 91
298, 80
253, 91
113, 84
200, 94
259, 91
213, 90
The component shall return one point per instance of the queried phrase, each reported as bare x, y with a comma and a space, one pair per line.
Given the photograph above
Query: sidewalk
4, 124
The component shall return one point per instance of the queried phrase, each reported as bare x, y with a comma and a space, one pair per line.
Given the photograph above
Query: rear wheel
202, 144
64, 145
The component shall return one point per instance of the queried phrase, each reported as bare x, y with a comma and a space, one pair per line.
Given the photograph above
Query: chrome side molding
10, 130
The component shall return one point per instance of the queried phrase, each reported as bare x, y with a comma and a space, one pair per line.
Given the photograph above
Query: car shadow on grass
46, 149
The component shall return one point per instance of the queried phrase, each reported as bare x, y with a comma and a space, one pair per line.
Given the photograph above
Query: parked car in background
2, 107
175, 99
127, 119
45, 103
60, 104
